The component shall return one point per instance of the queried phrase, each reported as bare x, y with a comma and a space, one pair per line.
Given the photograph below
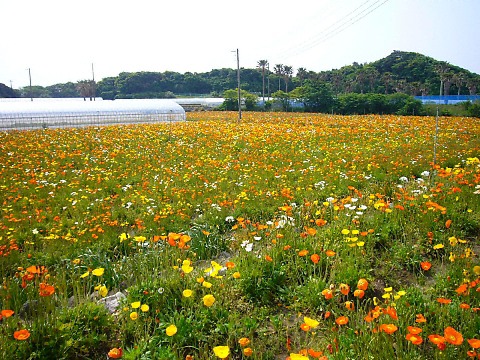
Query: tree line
399, 73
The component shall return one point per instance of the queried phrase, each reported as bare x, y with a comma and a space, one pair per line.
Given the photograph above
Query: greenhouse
56, 113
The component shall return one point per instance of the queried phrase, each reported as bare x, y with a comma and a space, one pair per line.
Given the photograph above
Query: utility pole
93, 84
30, 78
238, 84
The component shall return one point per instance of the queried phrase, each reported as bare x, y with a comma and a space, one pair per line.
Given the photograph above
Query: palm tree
287, 75
459, 80
263, 64
278, 69
387, 80
302, 74
442, 69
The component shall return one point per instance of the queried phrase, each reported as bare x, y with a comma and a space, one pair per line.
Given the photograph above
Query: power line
339, 26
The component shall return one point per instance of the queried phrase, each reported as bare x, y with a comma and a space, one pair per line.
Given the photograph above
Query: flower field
285, 236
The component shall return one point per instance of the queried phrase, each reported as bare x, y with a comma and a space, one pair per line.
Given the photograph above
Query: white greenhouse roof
73, 113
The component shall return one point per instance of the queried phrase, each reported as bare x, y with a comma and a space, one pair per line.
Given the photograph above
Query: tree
278, 69
459, 80
442, 69
231, 100
387, 80
302, 75
283, 98
86, 88
262, 65
287, 75
317, 96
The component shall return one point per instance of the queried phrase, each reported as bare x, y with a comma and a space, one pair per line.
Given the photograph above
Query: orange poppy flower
359, 293
414, 330
314, 354
388, 328
7, 313
302, 253
315, 258
327, 293
448, 223
305, 327
287, 247
230, 265
444, 301
320, 222
349, 305
425, 265
341, 320
390, 311
462, 289
474, 343
248, 351
420, 318
414, 339
21, 335
452, 336
46, 290
344, 289
362, 284
244, 341
330, 253
268, 258
436, 339
464, 306
115, 353
310, 231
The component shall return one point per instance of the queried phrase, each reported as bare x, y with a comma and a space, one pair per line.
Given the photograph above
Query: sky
61, 41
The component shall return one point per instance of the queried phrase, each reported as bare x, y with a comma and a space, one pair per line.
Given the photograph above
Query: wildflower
208, 300
207, 284
444, 301
186, 266
248, 352
349, 305
327, 293
438, 246
344, 289
330, 253
448, 223
230, 265
268, 258
452, 336
414, 338
115, 353
359, 293
302, 253
98, 271
474, 343
425, 265
305, 327
21, 335
236, 275
311, 322
144, 308
134, 315
84, 275
314, 354
342, 320
103, 291
420, 318
362, 284
46, 290
437, 340
294, 356
388, 328
462, 289
414, 330
171, 330
6, 313
135, 305
187, 293
221, 352
315, 258
244, 341
345, 231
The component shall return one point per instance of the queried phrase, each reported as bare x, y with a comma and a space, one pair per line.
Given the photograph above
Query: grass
297, 235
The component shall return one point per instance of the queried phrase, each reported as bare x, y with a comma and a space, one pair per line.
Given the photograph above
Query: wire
336, 28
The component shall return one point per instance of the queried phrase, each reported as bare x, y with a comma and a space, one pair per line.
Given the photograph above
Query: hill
400, 72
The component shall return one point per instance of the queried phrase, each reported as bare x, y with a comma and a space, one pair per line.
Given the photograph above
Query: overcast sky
59, 40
